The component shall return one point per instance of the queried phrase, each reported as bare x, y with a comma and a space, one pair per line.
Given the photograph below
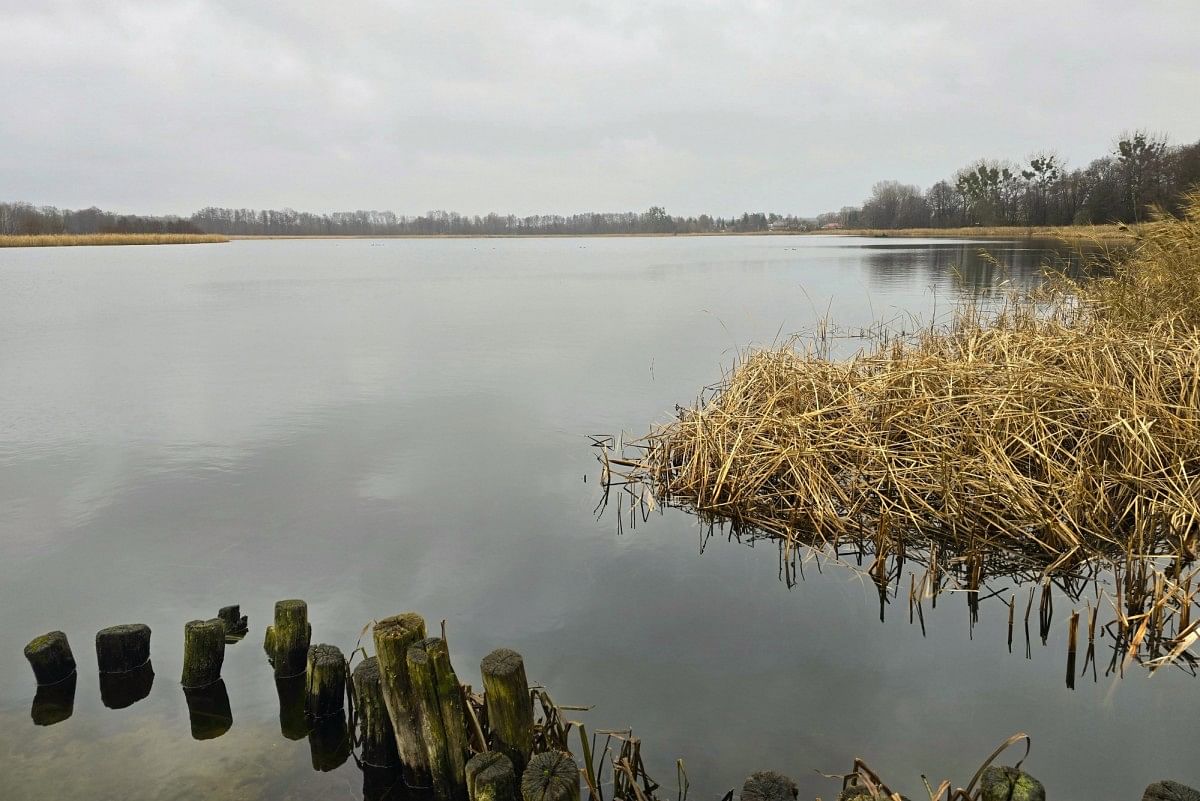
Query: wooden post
393, 636
120, 690
236, 624
120, 649
208, 709
767, 785
50, 657
203, 652
329, 742
374, 726
438, 696
509, 706
383, 784
54, 703
293, 724
287, 640
551, 776
490, 777
325, 685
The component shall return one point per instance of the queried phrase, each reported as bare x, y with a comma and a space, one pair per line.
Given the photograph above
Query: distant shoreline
75, 240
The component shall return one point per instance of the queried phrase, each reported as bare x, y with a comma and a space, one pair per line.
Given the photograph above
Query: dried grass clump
1062, 427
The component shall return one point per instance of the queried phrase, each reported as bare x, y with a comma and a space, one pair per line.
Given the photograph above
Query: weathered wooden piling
509, 705
287, 639
121, 690
329, 742
54, 703
490, 777
236, 624
1000, 783
374, 726
550, 776
293, 723
120, 649
393, 637
325, 682
767, 785
208, 710
203, 652
438, 697
50, 657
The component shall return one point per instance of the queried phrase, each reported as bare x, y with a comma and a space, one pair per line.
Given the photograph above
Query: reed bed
1114, 232
1058, 430
67, 240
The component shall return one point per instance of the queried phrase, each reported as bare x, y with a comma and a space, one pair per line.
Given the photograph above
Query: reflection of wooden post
208, 708
551, 776
120, 649
119, 690
292, 722
325, 686
374, 726
509, 707
287, 640
203, 652
490, 777
329, 743
54, 703
438, 696
393, 636
50, 657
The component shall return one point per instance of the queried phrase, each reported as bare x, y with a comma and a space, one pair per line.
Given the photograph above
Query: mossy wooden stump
393, 637
287, 640
50, 657
236, 624
490, 777
550, 776
203, 652
54, 703
1009, 784
509, 706
767, 785
120, 649
325, 682
438, 697
374, 726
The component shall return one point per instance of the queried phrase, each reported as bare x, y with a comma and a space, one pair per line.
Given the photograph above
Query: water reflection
121, 690
293, 723
383, 784
54, 703
329, 742
208, 710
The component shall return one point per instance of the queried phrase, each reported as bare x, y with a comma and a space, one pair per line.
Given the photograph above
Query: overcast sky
562, 106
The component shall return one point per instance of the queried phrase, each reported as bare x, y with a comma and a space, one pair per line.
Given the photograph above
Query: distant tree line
1142, 171
24, 218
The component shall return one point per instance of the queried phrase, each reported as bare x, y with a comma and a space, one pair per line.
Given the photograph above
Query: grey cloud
711, 106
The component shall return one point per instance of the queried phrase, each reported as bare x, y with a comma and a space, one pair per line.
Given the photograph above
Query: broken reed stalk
1060, 427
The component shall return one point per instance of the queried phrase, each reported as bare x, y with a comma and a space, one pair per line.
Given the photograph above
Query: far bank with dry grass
70, 240
1086, 233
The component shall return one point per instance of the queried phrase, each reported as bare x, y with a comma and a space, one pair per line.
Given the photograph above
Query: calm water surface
393, 425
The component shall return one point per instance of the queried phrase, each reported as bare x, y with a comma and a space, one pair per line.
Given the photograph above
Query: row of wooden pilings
410, 709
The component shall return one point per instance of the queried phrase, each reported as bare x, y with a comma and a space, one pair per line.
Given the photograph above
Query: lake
392, 425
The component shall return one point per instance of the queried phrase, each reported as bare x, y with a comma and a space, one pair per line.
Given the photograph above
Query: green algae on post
551, 776
288, 638
50, 657
393, 636
438, 699
374, 726
509, 705
325, 682
203, 652
490, 777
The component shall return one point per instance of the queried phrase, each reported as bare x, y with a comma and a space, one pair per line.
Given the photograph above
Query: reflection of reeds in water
1055, 436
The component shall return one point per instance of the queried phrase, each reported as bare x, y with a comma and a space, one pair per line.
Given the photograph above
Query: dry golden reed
65, 240
1060, 429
